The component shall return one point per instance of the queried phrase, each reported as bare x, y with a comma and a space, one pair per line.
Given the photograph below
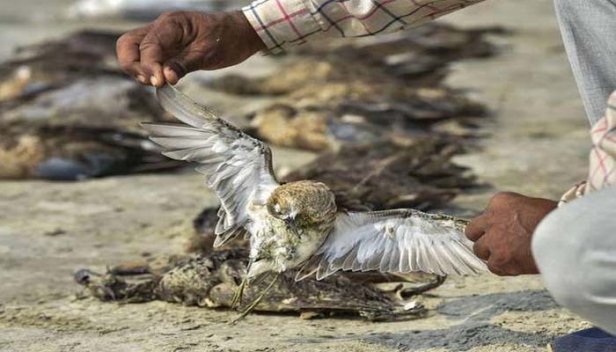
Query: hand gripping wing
395, 241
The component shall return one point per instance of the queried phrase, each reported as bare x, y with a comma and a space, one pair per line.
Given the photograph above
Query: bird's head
302, 204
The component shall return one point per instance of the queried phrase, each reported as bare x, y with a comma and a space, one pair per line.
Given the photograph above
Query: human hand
181, 42
503, 233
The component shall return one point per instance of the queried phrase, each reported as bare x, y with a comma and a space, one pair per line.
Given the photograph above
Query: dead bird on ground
429, 48
210, 281
55, 63
145, 9
422, 52
327, 117
67, 112
362, 90
299, 224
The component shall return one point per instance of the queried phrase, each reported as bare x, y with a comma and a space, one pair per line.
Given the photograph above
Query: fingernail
170, 75
141, 78
154, 81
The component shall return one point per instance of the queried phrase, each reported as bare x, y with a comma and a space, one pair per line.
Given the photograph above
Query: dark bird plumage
67, 112
210, 281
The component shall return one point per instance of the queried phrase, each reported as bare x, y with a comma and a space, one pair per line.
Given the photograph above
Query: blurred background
30, 21
437, 118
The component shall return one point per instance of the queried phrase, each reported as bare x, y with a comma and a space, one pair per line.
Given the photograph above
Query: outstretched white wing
236, 166
395, 241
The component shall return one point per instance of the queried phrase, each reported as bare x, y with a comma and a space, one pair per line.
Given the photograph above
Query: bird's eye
275, 210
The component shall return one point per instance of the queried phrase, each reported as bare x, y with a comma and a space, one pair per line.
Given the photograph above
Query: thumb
181, 65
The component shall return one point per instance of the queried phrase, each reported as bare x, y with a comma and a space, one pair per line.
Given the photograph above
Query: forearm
282, 23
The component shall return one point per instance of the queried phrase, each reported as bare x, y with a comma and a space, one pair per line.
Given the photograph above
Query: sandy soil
537, 145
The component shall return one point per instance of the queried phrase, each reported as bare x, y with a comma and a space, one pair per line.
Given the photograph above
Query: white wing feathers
396, 241
236, 166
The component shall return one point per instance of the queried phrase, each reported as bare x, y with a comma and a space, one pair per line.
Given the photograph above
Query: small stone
54, 232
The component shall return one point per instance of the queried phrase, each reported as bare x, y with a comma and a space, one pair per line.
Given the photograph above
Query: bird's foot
256, 302
239, 293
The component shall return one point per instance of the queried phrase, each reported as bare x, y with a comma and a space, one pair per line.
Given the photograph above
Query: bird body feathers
290, 227
274, 247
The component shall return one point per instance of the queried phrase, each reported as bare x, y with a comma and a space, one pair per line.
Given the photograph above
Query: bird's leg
407, 293
256, 301
239, 293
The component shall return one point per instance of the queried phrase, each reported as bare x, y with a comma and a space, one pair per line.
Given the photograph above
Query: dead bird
73, 133
298, 224
332, 115
210, 281
418, 57
145, 9
399, 173
51, 64
362, 90
67, 113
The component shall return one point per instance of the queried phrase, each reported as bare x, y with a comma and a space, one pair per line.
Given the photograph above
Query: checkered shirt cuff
281, 23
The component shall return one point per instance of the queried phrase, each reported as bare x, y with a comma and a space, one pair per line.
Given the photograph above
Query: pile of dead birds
145, 9
211, 281
67, 112
374, 109
363, 91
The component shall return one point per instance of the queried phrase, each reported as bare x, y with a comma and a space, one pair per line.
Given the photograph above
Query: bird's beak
291, 225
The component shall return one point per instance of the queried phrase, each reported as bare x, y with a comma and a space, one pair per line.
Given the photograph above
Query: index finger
129, 56
157, 45
481, 248
476, 228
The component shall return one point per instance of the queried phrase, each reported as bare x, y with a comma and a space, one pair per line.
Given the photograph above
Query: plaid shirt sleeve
281, 23
602, 171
